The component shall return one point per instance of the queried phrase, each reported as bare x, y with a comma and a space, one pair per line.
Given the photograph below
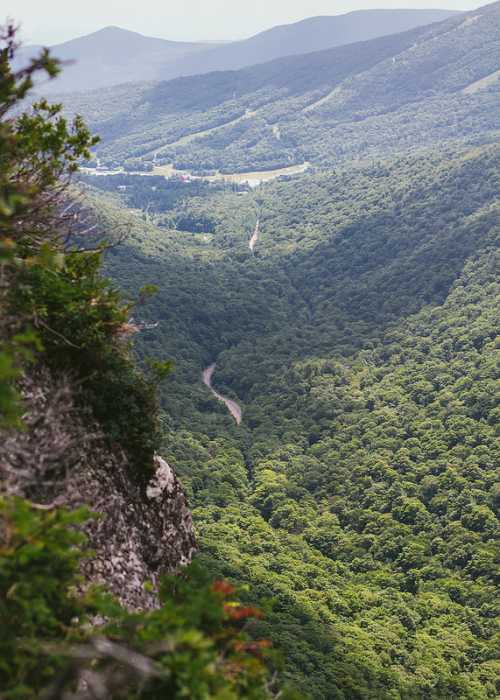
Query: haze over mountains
312, 34
112, 55
315, 107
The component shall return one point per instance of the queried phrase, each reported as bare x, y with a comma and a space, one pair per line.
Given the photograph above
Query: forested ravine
233, 408
359, 490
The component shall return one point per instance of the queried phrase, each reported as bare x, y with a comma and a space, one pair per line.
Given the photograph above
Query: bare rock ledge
62, 459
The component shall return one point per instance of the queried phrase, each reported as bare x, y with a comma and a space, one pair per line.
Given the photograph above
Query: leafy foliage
361, 338
192, 646
361, 341
37, 149
419, 88
52, 293
39, 553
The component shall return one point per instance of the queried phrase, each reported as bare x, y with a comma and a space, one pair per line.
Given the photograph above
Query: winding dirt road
233, 408
255, 236
208, 373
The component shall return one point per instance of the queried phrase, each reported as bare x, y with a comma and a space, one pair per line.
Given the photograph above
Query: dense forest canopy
361, 340
63, 330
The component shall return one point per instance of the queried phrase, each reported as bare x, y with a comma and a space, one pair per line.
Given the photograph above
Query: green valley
317, 238
361, 340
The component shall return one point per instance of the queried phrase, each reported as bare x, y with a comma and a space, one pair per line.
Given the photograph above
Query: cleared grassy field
252, 178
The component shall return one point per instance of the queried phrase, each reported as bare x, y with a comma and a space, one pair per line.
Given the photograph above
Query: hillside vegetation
389, 94
361, 340
73, 403
357, 501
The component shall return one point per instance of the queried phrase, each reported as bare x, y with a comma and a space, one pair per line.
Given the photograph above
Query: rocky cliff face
63, 459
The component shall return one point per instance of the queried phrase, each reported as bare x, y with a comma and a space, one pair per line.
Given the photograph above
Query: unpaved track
208, 373
233, 408
255, 236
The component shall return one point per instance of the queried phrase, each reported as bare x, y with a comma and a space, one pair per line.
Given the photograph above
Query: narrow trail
255, 236
233, 408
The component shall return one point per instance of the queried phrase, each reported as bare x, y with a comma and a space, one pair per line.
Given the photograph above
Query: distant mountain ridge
429, 84
309, 35
112, 56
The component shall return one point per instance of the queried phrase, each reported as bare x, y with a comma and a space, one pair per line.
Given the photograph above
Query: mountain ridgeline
307, 36
112, 56
421, 87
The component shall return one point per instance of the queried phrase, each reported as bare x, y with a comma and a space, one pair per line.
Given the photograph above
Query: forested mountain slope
416, 88
86, 607
351, 313
357, 501
361, 340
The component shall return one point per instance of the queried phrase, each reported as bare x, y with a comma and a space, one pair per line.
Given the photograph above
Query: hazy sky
53, 21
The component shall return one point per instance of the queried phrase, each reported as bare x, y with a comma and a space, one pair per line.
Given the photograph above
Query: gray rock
63, 459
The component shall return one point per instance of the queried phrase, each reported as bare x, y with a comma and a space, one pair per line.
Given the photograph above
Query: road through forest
208, 373
255, 236
233, 408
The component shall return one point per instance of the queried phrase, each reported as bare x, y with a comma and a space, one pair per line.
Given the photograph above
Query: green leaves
359, 492
147, 291
10, 411
159, 369
192, 646
39, 554
37, 150
80, 321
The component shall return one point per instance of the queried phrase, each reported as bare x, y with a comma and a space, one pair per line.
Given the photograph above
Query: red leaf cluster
242, 613
224, 588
